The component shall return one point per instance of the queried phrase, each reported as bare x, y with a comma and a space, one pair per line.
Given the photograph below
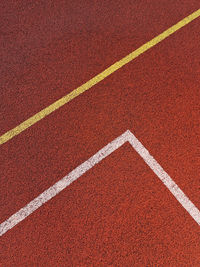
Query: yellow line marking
101, 76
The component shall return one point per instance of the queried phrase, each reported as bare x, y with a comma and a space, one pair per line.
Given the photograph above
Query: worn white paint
88, 164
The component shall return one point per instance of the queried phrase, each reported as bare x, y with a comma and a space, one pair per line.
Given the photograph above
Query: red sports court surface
118, 213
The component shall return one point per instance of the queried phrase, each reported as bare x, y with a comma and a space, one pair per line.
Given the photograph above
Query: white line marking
91, 162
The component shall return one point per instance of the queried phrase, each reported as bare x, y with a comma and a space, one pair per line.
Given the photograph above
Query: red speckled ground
118, 213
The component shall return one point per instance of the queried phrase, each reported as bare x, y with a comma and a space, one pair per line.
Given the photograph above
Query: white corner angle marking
91, 162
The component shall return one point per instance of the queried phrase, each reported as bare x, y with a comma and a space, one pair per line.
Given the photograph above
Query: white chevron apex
84, 167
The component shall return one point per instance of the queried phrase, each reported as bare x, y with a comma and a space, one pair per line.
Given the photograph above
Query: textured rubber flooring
117, 214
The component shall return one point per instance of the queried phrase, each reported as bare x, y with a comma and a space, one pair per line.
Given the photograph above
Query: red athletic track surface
119, 213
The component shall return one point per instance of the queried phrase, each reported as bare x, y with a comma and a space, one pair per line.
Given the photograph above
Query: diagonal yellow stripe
117, 65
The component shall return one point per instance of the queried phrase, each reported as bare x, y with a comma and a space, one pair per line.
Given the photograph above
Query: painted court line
98, 78
91, 162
